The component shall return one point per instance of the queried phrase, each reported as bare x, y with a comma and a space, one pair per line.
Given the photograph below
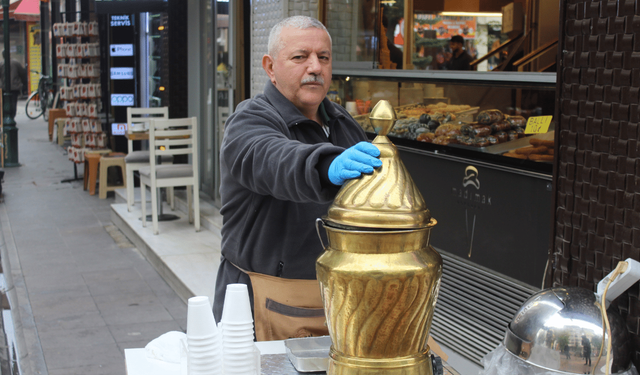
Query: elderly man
284, 155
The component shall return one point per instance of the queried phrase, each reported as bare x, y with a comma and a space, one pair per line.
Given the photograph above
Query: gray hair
298, 22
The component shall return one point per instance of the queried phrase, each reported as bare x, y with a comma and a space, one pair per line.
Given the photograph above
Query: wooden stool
54, 113
115, 159
91, 162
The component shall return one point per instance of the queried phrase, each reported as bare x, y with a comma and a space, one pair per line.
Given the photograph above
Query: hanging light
471, 14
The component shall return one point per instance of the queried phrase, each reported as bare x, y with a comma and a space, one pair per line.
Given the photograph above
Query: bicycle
41, 100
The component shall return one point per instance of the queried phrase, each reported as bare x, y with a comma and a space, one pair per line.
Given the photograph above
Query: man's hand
353, 162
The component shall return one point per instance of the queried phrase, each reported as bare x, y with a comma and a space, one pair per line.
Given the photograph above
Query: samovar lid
386, 199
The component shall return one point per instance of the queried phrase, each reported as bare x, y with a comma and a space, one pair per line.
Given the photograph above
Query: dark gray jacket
18, 76
274, 183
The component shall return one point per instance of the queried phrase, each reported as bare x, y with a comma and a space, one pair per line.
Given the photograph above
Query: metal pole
9, 128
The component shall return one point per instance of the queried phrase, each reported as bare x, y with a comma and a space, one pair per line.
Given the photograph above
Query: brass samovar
379, 276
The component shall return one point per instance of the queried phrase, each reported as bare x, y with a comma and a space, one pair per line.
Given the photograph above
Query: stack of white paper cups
203, 338
237, 332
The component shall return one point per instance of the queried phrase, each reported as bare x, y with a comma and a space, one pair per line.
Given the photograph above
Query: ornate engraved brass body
379, 276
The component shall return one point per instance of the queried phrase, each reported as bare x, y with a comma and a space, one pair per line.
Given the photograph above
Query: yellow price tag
538, 124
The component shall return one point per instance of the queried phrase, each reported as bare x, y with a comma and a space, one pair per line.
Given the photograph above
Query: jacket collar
292, 115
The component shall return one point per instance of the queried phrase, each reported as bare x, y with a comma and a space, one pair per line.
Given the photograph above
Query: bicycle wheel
33, 109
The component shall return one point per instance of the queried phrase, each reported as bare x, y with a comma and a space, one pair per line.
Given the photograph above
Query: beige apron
286, 308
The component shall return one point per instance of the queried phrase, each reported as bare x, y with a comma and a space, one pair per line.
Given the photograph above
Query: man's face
455, 46
301, 70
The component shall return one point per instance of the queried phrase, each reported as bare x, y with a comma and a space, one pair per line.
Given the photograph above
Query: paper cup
204, 340
205, 356
205, 361
239, 368
237, 343
248, 338
200, 344
211, 347
193, 337
239, 346
200, 321
237, 327
352, 108
228, 337
209, 355
204, 368
245, 336
241, 371
237, 308
195, 369
236, 353
238, 332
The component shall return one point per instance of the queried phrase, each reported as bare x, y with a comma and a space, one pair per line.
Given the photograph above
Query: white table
138, 364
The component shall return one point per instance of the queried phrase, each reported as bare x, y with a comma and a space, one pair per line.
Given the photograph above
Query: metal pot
556, 320
379, 276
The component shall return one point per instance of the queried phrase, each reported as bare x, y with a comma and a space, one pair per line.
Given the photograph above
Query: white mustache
313, 79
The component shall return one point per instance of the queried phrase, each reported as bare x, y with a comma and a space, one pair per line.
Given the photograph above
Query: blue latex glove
353, 162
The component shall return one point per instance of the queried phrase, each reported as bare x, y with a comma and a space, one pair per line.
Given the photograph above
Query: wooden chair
164, 137
138, 159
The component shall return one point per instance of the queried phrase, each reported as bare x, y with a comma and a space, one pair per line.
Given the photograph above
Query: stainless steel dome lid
555, 320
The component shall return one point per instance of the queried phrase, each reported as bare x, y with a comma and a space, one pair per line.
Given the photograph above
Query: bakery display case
473, 114
462, 137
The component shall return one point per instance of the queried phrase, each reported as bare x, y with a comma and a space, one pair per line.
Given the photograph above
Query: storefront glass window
440, 35
353, 29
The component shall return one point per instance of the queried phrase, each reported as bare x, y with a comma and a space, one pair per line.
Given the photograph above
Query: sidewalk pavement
85, 293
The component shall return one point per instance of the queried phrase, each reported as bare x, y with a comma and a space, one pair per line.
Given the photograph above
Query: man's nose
314, 64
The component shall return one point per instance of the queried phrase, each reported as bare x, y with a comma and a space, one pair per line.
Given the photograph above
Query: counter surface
274, 361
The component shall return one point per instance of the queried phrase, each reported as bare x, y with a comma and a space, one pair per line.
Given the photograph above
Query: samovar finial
382, 117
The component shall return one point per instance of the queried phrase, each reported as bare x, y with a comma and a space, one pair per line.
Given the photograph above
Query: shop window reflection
359, 42
432, 33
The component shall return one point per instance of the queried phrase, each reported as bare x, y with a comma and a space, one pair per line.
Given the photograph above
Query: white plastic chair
138, 159
164, 136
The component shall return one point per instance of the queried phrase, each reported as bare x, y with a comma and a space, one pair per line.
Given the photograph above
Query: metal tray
501, 148
309, 354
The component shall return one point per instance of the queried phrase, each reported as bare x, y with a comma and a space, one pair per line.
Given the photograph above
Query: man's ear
267, 65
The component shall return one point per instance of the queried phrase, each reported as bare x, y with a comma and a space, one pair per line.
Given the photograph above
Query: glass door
218, 86
208, 164
224, 77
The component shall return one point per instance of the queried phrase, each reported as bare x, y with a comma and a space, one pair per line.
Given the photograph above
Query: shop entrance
219, 86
